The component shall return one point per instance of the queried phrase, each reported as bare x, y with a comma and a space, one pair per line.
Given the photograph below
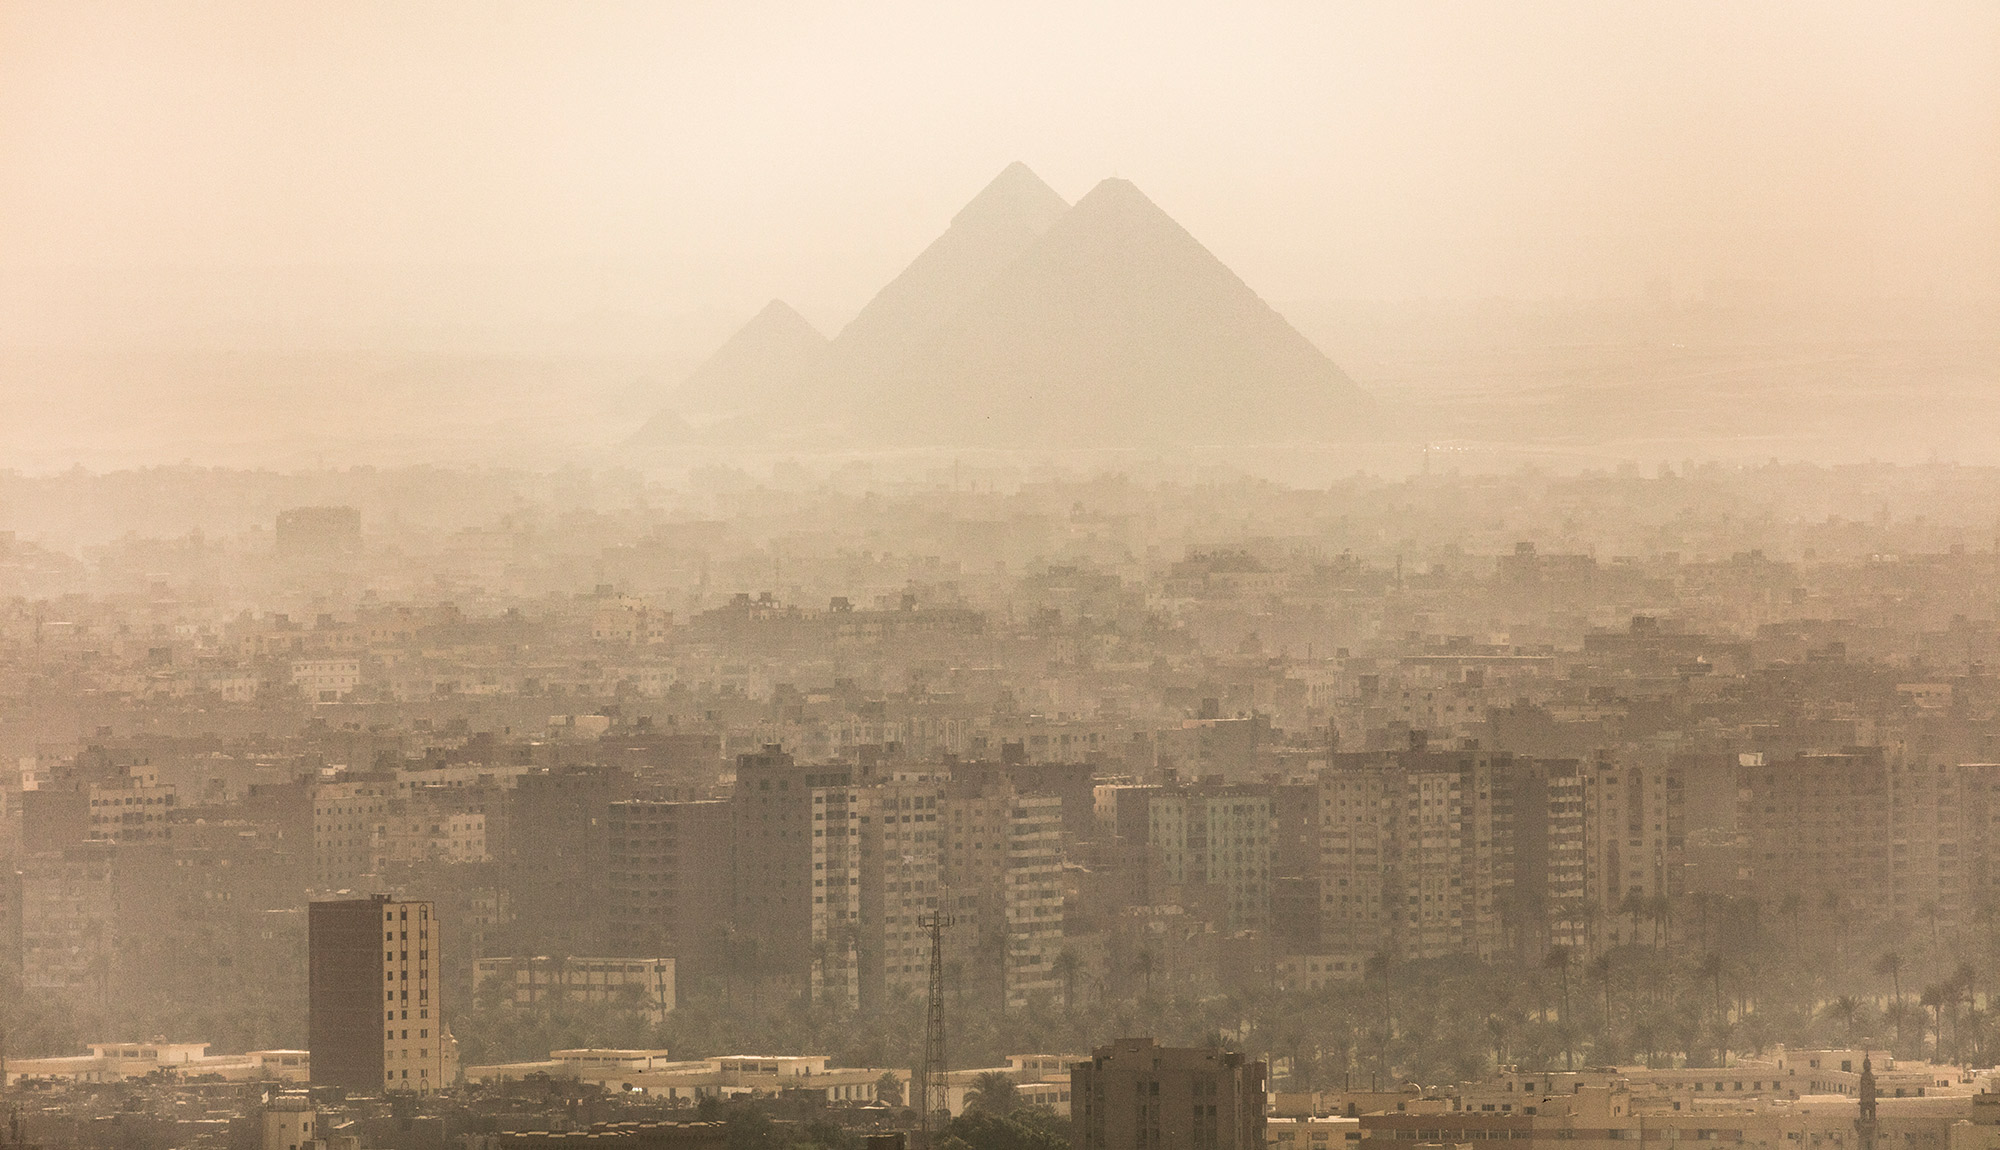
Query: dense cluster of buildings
1131, 1094
743, 743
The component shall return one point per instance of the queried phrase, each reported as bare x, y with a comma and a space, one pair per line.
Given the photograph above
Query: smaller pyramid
754, 372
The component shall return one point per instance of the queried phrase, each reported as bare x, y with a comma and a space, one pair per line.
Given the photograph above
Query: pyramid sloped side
988, 234
1117, 326
758, 369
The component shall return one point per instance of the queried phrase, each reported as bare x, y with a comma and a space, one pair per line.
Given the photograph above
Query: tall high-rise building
796, 893
973, 819
669, 884
900, 873
1636, 837
558, 858
834, 915
1390, 845
1876, 833
1136, 1095
1550, 853
1002, 855
1427, 853
350, 824
376, 1018
1213, 845
1034, 898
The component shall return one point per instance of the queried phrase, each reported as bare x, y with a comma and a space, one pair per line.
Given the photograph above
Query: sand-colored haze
489, 228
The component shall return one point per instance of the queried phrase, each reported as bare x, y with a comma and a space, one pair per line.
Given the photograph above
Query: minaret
1865, 1124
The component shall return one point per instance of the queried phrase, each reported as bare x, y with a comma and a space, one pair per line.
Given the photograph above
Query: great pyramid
1115, 328
1003, 221
1030, 323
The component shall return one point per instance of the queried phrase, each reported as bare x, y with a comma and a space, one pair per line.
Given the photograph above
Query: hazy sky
298, 173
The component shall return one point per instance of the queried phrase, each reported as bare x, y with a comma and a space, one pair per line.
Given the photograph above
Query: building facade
376, 1020
669, 884
1137, 1095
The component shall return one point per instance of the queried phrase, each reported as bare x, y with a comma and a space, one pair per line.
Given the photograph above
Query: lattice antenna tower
934, 1104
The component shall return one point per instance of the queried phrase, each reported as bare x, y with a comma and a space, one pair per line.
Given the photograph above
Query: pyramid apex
779, 312
1114, 189
1016, 193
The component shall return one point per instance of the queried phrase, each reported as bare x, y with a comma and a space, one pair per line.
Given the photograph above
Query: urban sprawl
999, 807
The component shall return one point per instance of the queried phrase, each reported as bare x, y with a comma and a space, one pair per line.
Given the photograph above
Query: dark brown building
670, 882
1137, 1095
376, 1021
771, 841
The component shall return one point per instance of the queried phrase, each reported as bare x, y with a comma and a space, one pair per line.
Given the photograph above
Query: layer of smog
1051, 578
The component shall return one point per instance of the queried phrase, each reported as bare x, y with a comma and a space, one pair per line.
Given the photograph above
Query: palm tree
1933, 996
1662, 910
1961, 986
1891, 965
1843, 1008
1143, 965
1894, 1014
1793, 906
1587, 915
1378, 964
1559, 959
1065, 965
1633, 906
1497, 1030
994, 1092
1709, 910
889, 1089
1710, 968
1600, 969
1988, 916
1930, 911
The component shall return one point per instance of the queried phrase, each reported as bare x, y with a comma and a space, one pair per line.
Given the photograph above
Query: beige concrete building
1034, 900
326, 680
133, 809
118, 1061
653, 1072
901, 874
350, 825
1002, 853
640, 984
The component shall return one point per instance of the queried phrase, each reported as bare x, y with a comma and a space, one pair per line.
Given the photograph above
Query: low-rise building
119, 1061
1137, 1094
642, 984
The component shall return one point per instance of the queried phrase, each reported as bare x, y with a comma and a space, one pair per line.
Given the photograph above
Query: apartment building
350, 826
669, 884
1865, 828
1034, 901
901, 872
1003, 855
644, 984
375, 1018
1137, 1095
796, 903
136, 808
1213, 845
